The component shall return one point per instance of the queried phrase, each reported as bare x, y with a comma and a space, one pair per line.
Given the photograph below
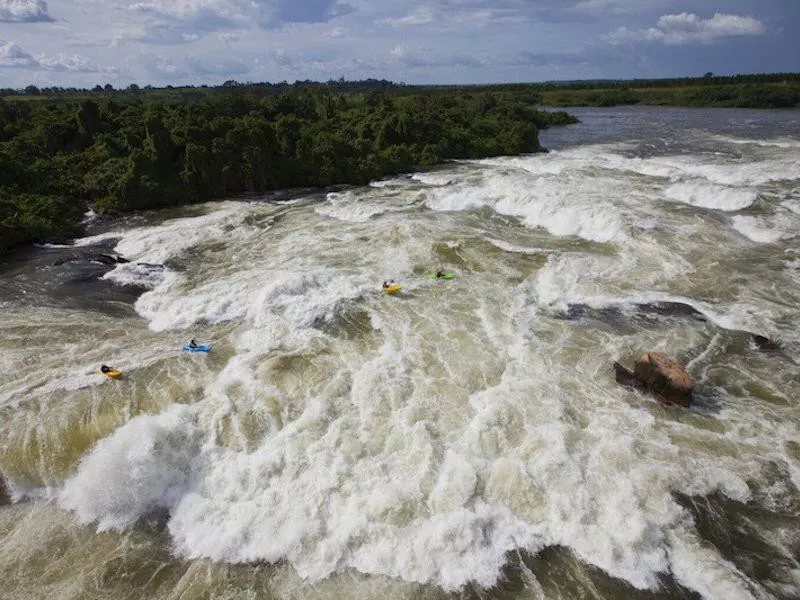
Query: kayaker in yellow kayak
109, 372
390, 287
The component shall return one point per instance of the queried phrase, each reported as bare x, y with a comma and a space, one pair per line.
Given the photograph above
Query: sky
83, 43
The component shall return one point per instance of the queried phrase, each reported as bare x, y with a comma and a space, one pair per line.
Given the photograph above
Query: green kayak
445, 276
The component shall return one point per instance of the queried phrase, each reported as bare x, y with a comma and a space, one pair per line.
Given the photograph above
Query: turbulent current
461, 438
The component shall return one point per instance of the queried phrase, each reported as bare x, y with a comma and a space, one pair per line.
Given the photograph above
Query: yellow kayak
393, 289
113, 374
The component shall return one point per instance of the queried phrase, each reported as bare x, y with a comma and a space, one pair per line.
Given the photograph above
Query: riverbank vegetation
779, 90
114, 152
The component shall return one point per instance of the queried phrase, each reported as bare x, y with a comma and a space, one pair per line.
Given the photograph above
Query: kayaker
439, 274
388, 283
105, 369
192, 344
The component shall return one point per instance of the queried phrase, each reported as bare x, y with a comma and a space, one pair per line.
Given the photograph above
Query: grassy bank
742, 95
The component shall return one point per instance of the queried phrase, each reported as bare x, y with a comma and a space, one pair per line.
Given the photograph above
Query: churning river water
462, 438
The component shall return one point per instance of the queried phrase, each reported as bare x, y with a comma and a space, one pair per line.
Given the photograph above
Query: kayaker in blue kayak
192, 344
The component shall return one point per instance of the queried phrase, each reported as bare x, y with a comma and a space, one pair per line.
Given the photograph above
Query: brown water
460, 439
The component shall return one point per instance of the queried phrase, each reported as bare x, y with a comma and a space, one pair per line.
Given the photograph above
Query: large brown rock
665, 378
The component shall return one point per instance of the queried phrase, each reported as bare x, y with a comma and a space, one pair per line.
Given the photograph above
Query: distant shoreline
759, 90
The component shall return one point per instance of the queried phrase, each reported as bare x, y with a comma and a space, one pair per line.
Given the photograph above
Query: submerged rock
659, 375
623, 311
105, 259
765, 344
772, 347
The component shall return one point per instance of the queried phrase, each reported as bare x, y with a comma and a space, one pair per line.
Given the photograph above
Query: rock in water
665, 378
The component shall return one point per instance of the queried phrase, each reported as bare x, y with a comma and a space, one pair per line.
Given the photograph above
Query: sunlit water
461, 438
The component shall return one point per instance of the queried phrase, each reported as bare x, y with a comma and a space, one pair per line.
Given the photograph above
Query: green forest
140, 149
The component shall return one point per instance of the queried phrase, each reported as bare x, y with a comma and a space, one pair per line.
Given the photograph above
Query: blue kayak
198, 348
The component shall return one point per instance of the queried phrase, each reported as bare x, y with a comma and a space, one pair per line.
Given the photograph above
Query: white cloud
455, 17
423, 57
616, 6
216, 66
190, 68
24, 11
161, 65
12, 55
72, 63
419, 16
214, 15
688, 28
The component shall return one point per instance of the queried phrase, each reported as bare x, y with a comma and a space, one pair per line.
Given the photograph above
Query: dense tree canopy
131, 150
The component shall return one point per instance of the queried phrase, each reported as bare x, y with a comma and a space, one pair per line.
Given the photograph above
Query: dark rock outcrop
105, 259
666, 379
624, 311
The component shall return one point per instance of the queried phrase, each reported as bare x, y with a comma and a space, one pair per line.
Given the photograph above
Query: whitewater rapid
426, 437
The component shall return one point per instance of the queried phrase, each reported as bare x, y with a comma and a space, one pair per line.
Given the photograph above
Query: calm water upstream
462, 439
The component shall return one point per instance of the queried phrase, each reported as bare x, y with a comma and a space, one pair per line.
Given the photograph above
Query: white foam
788, 143
508, 247
568, 279
700, 568
646, 224
143, 466
354, 207
705, 195
159, 243
597, 222
562, 207
136, 274
758, 229
389, 183
46, 245
436, 178
175, 305
94, 240
555, 163
718, 170
792, 205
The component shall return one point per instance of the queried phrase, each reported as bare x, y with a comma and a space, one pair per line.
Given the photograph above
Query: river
460, 439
